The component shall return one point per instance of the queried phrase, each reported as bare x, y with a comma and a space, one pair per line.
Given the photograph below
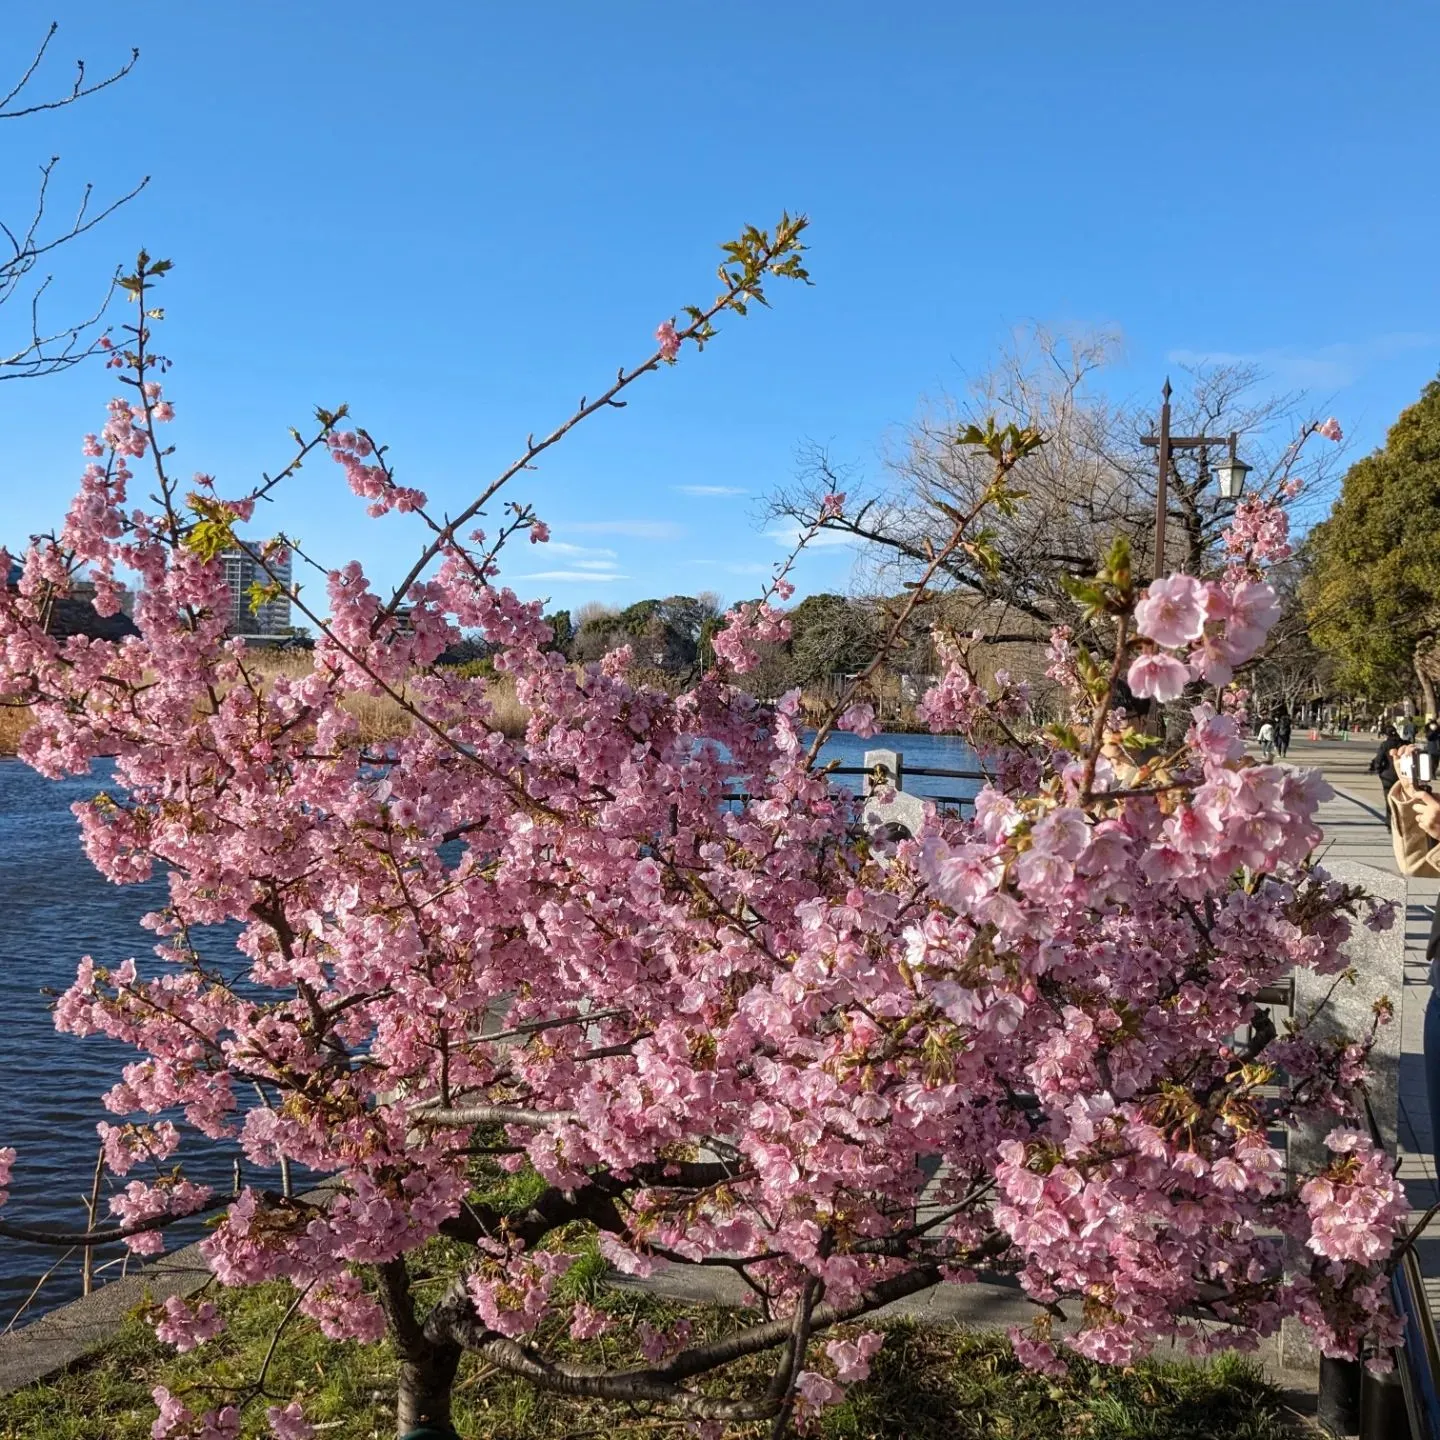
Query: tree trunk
423, 1398
1427, 685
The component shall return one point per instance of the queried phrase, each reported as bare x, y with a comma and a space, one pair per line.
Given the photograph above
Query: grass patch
932, 1383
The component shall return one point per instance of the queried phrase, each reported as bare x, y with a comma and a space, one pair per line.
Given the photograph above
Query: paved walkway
1355, 830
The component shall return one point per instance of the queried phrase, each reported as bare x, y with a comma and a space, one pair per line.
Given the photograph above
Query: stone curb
59, 1340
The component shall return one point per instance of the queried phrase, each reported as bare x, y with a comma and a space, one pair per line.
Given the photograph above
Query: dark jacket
1383, 765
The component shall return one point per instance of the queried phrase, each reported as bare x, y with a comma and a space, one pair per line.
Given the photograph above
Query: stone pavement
1355, 830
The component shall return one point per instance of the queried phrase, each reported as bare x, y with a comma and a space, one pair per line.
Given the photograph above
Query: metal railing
1353, 1402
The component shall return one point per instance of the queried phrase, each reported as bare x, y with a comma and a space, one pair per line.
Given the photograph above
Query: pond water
57, 907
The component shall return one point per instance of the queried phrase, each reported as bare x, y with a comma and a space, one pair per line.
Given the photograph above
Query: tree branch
31, 1236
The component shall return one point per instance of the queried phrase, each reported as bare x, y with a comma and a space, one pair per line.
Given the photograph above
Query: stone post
906, 810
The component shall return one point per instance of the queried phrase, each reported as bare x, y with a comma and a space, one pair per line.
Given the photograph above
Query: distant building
242, 574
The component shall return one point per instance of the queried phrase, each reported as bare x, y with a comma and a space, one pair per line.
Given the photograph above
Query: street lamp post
1230, 473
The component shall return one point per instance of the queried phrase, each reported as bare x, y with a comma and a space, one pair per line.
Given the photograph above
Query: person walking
1383, 765
1406, 731
1282, 733
1266, 737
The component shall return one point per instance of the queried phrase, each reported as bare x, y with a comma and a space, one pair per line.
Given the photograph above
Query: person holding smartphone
1415, 833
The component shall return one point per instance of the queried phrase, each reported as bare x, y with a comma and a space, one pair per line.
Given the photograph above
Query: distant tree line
830, 636
670, 639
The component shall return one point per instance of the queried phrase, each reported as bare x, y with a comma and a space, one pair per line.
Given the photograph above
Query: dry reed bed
15, 720
381, 718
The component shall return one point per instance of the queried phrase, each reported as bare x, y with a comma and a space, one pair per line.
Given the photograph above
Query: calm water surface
56, 908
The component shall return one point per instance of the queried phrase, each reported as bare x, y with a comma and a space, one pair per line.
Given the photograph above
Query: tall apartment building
241, 574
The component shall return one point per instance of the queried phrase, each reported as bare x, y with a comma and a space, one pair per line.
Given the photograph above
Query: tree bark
1427, 685
428, 1363
424, 1390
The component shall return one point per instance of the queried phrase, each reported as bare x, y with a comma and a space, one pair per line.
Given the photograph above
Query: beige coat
1416, 854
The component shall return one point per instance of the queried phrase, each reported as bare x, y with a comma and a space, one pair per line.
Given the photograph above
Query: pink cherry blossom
587, 1322
668, 340
860, 720
1330, 429
185, 1326
173, 1414
851, 1358
288, 1422
746, 629
1172, 613
816, 1391
1038, 1355
1157, 676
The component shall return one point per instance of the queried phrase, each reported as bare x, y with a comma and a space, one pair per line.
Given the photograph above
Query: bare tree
43, 347
594, 611
1093, 479
1290, 674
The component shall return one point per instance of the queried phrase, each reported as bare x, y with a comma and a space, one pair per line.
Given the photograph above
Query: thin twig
87, 1271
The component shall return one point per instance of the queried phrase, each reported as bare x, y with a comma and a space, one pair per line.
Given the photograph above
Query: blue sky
461, 217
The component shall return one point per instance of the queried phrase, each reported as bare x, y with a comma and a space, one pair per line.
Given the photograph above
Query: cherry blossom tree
721, 1036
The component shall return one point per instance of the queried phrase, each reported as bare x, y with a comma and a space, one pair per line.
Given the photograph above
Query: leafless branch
78, 91
454, 1319
493, 1115
45, 348
31, 1236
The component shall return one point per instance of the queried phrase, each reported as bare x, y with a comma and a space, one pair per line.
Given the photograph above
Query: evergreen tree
1373, 589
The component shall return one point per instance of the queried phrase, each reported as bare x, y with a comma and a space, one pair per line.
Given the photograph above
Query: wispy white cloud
789, 536
1327, 367
635, 529
576, 576
563, 547
576, 563
709, 490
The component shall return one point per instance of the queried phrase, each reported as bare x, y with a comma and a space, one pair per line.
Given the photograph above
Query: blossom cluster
578, 935
746, 629
1218, 624
176, 1421
185, 1326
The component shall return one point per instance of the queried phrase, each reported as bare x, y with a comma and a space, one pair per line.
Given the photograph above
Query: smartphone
1417, 767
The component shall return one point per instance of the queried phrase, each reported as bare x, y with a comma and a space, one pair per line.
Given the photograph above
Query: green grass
927, 1384
932, 1383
